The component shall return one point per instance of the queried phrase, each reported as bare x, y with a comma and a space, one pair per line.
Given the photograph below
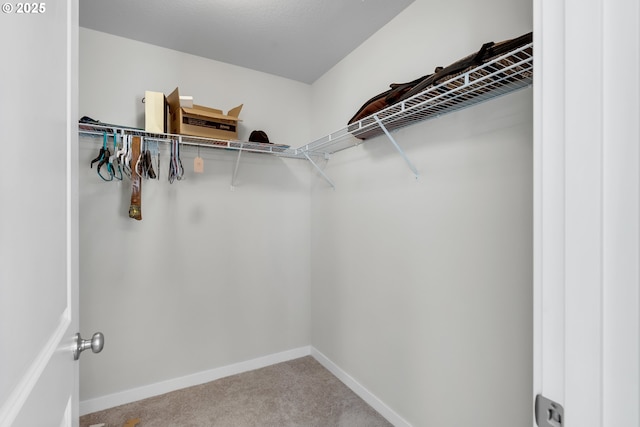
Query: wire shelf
255, 147
498, 77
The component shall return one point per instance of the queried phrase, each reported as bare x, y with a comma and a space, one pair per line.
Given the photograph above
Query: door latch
548, 412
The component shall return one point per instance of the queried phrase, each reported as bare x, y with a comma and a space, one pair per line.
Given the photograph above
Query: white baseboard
360, 390
132, 395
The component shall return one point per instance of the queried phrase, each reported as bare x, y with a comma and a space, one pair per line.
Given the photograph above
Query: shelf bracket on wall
395, 144
235, 170
324, 175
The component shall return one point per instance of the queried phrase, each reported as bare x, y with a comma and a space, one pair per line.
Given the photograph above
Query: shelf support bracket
324, 175
235, 170
395, 144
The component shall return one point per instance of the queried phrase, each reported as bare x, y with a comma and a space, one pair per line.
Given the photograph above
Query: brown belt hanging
135, 211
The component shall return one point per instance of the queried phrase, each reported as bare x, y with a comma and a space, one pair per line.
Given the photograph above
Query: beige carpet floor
297, 393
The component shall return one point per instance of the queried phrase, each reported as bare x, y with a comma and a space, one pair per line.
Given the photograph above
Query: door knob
96, 343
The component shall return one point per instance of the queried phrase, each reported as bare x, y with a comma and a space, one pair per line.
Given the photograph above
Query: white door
38, 213
587, 210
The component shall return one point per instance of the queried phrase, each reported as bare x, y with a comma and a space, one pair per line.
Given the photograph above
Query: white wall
115, 72
209, 277
422, 290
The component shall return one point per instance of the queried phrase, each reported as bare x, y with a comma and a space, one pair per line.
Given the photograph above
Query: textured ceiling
297, 39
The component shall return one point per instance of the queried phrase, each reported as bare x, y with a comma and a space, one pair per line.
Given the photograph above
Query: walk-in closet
454, 258
416, 286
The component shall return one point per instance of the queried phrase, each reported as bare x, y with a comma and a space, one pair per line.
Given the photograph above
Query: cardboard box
202, 121
156, 112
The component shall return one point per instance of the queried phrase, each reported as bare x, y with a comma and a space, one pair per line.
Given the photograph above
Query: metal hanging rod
254, 147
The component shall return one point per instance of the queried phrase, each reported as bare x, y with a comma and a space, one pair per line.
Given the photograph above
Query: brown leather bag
401, 92
487, 52
387, 98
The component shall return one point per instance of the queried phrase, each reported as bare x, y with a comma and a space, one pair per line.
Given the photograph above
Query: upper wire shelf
500, 76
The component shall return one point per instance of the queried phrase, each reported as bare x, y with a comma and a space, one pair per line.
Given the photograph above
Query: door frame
586, 209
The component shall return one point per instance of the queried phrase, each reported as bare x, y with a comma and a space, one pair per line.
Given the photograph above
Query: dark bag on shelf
487, 52
401, 92
259, 136
387, 98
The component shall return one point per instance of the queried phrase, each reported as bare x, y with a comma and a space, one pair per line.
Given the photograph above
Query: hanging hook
125, 159
176, 170
105, 159
102, 150
114, 163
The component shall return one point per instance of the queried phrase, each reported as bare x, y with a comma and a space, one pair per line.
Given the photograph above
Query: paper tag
198, 165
